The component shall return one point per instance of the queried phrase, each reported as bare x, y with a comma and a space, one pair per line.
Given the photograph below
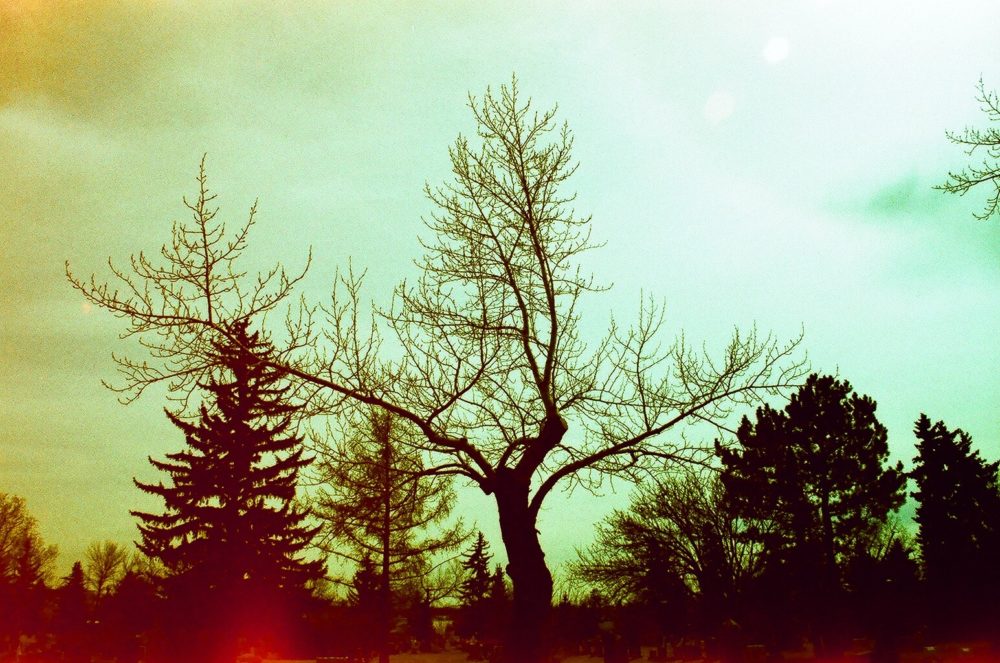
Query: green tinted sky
765, 162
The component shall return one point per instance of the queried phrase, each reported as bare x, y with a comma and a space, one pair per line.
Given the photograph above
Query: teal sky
748, 162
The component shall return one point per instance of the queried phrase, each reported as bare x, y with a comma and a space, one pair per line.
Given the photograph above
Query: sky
767, 163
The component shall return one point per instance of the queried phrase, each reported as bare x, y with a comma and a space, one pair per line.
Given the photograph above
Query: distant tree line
792, 535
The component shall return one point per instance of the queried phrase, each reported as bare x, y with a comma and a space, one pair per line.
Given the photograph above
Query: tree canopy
381, 510
814, 474
958, 515
488, 360
231, 536
812, 483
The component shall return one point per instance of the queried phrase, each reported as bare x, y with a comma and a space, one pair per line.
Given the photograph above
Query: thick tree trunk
526, 641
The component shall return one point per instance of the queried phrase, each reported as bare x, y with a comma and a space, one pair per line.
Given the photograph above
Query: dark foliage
230, 537
382, 510
812, 484
69, 624
958, 514
476, 588
25, 565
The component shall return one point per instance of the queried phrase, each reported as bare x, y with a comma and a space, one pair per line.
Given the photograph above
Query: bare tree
976, 142
489, 362
678, 535
377, 502
175, 305
26, 566
19, 533
104, 565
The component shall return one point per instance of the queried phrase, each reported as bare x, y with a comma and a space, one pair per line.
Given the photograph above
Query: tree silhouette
364, 596
677, 549
72, 609
976, 142
130, 615
476, 585
478, 579
231, 537
490, 362
105, 563
498, 604
25, 568
812, 482
885, 591
377, 505
958, 513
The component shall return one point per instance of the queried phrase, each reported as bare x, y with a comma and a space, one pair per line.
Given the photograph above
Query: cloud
936, 231
909, 196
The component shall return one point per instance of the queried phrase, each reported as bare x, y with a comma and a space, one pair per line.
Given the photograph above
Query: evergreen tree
812, 482
365, 585
474, 592
499, 604
365, 597
476, 586
498, 586
129, 614
958, 514
70, 621
230, 537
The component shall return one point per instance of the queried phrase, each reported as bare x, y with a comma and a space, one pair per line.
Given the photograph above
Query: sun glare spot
719, 106
86, 307
776, 50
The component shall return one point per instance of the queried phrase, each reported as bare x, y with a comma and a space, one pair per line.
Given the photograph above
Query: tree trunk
526, 641
385, 593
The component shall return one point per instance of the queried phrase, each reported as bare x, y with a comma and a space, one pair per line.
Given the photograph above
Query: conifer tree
958, 514
365, 596
70, 621
498, 585
499, 603
476, 586
230, 534
813, 484
474, 591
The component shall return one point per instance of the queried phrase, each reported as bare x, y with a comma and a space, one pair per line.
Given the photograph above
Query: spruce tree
231, 537
474, 591
499, 603
476, 586
958, 514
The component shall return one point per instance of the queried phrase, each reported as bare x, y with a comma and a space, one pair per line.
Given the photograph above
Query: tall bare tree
489, 361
